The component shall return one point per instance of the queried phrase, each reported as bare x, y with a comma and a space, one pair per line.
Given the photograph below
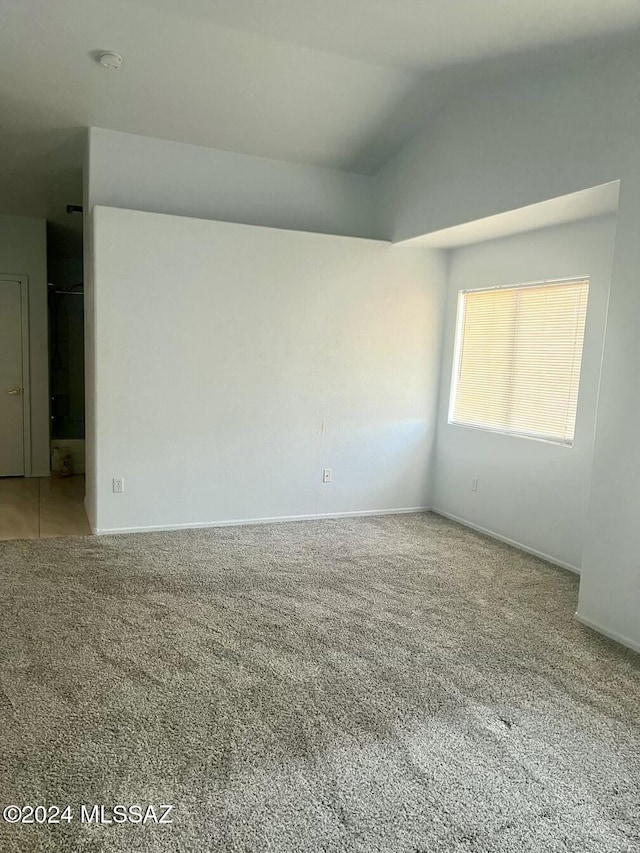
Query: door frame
23, 281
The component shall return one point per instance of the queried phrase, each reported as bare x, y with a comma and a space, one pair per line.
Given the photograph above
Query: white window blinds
518, 359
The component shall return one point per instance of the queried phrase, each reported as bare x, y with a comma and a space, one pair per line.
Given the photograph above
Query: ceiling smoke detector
109, 59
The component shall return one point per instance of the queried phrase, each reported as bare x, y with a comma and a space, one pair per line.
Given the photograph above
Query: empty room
319, 458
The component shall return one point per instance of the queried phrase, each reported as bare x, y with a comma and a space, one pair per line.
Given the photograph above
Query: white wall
23, 251
519, 142
142, 173
531, 492
233, 363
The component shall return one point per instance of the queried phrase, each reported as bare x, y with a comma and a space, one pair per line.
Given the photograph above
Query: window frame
457, 354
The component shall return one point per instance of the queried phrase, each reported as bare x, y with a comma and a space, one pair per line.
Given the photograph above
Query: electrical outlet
474, 484
118, 485
327, 475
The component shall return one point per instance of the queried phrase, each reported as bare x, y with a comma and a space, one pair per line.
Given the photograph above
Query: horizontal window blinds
518, 359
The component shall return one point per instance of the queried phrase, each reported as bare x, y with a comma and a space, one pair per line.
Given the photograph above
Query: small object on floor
66, 469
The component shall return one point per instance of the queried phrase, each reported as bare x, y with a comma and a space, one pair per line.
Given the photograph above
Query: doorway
66, 344
15, 422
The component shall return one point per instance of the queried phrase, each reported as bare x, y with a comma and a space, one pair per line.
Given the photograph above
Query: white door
11, 381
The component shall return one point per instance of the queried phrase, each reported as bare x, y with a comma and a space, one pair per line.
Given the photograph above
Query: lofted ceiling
414, 34
336, 83
585, 204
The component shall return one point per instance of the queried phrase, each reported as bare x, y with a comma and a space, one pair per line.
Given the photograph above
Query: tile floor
39, 508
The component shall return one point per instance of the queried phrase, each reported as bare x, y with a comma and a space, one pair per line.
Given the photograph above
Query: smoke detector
109, 59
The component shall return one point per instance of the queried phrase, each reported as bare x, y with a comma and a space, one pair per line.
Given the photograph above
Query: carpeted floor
396, 683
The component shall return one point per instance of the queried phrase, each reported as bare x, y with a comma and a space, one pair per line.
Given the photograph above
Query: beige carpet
378, 684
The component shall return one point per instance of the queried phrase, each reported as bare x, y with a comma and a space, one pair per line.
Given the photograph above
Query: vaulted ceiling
337, 83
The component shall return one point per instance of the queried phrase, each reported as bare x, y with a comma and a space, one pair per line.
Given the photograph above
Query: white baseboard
612, 635
547, 557
246, 521
625, 641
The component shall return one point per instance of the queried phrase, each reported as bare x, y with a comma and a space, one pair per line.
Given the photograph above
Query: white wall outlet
327, 475
474, 484
118, 485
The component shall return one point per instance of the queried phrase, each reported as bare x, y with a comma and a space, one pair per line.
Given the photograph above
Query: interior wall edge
612, 635
244, 522
328, 235
548, 558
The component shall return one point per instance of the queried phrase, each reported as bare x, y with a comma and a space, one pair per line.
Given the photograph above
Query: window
518, 357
